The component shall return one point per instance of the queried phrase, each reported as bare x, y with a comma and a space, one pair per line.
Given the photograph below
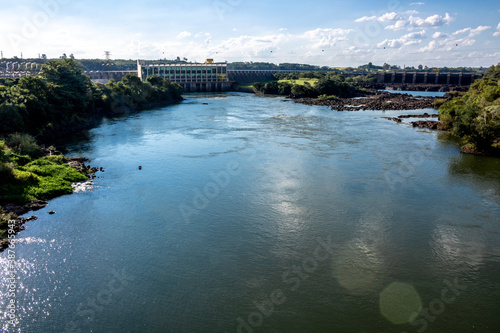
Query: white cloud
202, 34
383, 18
413, 22
388, 17
417, 4
439, 34
471, 32
326, 37
406, 40
497, 33
451, 42
366, 19
184, 34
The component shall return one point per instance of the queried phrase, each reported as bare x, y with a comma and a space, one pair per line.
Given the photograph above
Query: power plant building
209, 76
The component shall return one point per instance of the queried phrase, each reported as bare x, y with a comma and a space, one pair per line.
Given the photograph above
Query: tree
71, 90
475, 117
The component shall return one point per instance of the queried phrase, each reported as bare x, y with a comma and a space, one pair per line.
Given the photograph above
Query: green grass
301, 82
43, 179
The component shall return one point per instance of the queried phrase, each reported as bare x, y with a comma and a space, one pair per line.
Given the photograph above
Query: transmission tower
107, 62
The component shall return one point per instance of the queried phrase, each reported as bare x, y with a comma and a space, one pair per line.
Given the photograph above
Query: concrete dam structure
437, 78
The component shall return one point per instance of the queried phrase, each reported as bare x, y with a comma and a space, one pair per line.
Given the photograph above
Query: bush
438, 102
23, 144
5, 171
3, 152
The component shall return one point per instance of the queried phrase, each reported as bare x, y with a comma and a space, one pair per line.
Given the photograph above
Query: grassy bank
30, 173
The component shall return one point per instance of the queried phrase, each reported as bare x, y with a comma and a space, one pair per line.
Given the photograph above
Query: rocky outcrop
425, 115
21, 210
377, 101
430, 124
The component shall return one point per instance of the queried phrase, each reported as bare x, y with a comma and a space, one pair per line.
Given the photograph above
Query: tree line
330, 84
60, 96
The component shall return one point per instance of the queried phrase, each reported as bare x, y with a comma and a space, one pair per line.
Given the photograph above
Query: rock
374, 101
16, 209
21, 210
425, 115
430, 124
74, 164
4, 243
36, 205
52, 212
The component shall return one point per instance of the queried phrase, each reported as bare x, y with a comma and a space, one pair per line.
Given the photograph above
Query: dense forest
475, 117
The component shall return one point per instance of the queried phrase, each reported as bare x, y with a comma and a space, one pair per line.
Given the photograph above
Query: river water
256, 214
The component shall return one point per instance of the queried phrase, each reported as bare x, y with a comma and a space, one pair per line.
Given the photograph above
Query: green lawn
298, 81
301, 81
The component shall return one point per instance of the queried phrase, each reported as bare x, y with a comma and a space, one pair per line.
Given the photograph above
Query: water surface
256, 214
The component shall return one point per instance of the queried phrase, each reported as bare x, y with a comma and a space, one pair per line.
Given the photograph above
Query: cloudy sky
321, 32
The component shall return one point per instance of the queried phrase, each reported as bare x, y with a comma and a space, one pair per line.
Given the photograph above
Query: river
256, 214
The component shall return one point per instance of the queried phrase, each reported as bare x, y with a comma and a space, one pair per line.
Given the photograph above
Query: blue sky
332, 33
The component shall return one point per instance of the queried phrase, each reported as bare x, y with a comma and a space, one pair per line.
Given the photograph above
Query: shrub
3, 152
5, 171
23, 144
438, 102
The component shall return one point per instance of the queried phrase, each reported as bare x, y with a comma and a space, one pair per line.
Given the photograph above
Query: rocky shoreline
379, 100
